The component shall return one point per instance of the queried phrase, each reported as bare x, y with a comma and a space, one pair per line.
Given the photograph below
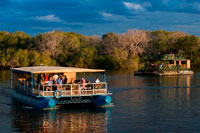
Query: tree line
111, 51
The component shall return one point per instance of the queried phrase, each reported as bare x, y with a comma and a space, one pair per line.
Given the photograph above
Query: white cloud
105, 14
42, 28
134, 6
48, 18
112, 17
51, 28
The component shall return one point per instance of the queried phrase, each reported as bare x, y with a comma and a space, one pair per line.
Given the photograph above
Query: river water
141, 104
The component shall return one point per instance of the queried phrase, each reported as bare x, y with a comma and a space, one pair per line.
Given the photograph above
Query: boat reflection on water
65, 119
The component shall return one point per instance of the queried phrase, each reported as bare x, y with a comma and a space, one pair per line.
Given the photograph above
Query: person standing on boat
65, 79
59, 82
46, 77
38, 81
49, 83
55, 76
42, 80
29, 81
83, 82
54, 85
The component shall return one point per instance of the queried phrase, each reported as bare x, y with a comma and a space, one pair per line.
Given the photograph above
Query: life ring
57, 94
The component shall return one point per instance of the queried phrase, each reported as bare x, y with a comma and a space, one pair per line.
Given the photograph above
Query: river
141, 104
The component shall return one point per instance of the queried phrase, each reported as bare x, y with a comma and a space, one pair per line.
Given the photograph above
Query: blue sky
98, 17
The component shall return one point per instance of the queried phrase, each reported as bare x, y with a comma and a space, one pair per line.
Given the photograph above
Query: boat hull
183, 72
33, 101
102, 100
43, 102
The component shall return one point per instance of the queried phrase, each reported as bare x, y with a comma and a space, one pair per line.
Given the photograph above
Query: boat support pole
11, 79
32, 83
104, 76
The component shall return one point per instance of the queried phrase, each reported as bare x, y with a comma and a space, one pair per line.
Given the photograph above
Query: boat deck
68, 90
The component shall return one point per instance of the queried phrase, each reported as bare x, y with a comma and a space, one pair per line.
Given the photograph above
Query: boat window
183, 62
171, 62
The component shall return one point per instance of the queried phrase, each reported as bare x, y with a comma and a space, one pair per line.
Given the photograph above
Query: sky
98, 17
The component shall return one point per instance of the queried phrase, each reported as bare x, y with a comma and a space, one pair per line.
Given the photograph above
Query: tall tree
135, 42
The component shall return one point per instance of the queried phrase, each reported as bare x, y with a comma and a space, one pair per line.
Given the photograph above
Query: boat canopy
53, 69
166, 59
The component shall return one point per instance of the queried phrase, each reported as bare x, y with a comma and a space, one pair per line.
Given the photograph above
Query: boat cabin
168, 61
167, 64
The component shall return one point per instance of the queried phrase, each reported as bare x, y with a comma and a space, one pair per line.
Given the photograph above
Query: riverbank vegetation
111, 51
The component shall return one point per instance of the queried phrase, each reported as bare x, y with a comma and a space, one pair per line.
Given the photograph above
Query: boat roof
166, 59
53, 69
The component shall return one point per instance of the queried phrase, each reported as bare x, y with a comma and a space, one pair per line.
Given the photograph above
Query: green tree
21, 58
46, 60
34, 58
159, 42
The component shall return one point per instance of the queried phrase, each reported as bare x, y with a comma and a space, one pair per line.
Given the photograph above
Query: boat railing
48, 90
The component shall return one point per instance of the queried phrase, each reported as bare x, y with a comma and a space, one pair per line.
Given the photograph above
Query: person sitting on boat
97, 85
88, 85
28, 80
59, 82
97, 80
21, 79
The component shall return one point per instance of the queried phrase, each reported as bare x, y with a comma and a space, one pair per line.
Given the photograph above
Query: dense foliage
112, 51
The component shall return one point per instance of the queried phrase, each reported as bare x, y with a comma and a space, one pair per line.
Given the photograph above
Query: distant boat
30, 88
167, 64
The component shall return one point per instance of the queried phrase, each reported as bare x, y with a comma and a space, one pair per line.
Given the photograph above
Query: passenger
77, 81
97, 80
59, 82
83, 83
21, 79
54, 85
55, 77
49, 83
42, 81
89, 85
29, 80
50, 80
46, 77
38, 79
65, 79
